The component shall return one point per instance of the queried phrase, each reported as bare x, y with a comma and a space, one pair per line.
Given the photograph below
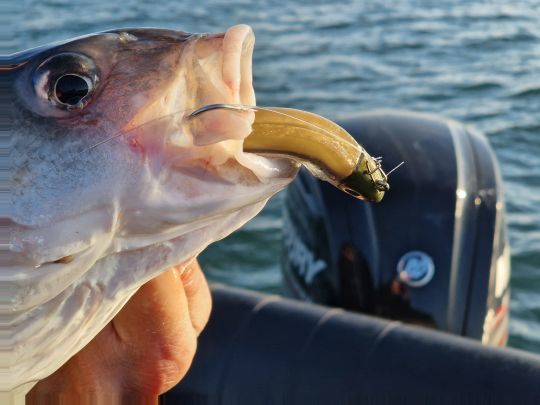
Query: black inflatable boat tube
261, 349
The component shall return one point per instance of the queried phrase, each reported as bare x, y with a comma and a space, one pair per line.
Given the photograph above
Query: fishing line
209, 107
235, 107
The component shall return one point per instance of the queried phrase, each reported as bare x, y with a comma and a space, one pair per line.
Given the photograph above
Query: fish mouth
238, 44
223, 132
194, 169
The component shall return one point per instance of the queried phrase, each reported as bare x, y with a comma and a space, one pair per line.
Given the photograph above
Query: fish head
113, 181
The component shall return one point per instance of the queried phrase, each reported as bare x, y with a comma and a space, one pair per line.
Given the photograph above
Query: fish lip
238, 44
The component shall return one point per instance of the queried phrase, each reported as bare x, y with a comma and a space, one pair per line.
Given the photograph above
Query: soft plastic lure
326, 149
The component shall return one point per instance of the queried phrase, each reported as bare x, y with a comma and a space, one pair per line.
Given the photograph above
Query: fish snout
220, 72
207, 69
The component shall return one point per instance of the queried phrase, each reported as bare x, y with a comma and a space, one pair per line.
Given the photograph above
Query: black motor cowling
433, 252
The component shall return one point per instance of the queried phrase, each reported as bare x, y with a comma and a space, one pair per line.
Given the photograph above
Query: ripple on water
528, 91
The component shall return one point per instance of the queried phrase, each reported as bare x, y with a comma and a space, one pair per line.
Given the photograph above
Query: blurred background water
475, 61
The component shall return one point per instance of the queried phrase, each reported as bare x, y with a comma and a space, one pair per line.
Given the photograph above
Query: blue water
476, 61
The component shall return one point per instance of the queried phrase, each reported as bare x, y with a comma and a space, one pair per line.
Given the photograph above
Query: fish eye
71, 89
66, 81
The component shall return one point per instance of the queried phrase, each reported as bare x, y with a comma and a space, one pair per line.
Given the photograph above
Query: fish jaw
198, 158
220, 71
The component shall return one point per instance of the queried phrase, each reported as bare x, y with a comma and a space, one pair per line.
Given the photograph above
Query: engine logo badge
415, 268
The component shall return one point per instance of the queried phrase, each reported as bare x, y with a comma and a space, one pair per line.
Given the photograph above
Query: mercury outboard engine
434, 252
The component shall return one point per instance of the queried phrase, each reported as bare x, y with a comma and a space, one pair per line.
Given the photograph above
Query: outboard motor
434, 252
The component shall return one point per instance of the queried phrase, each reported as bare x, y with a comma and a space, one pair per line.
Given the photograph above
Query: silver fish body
108, 184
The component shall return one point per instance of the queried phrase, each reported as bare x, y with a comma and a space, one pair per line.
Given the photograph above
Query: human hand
144, 351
